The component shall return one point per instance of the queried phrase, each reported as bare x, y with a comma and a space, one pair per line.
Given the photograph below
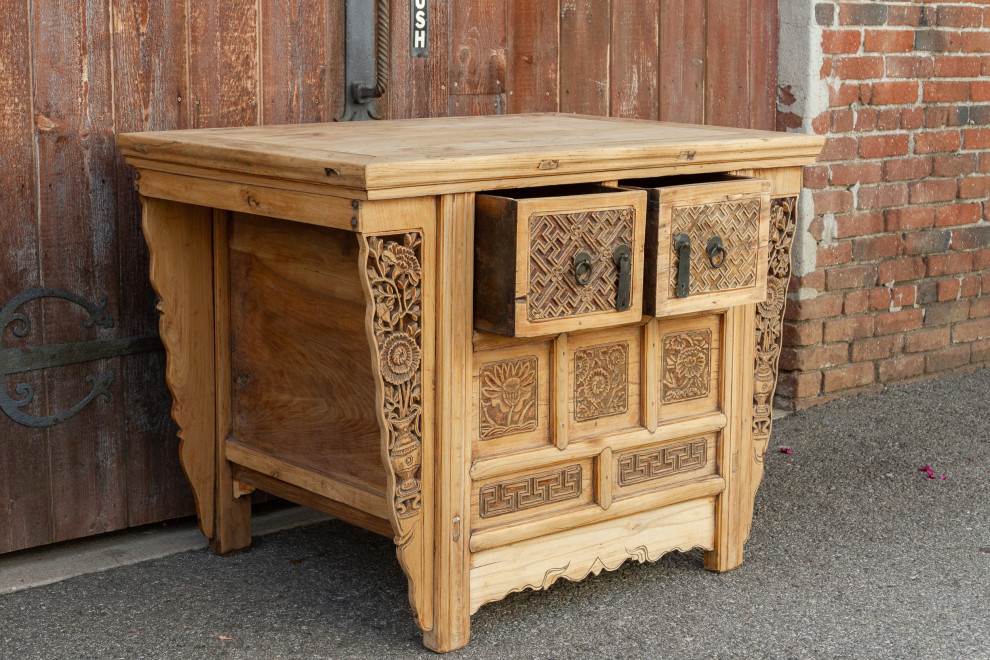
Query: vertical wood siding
75, 73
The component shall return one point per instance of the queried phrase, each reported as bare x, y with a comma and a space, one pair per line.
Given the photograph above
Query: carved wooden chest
526, 347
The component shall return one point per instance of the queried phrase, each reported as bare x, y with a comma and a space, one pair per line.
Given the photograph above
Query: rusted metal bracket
30, 358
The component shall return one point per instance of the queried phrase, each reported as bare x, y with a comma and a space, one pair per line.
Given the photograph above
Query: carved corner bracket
392, 272
769, 322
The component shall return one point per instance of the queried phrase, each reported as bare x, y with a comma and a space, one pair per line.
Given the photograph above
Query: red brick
858, 68
901, 270
926, 340
814, 308
901, 15
894, 93
917, 217
829, 255
850, 277
843, 95
819, 125
933, 190
903, 296
879, 247
971, 331
938, 40
799, 385
985, 163
889, 119
979, 90
948, 358
883, 196
971, 238
976, 138
840, 41
955, 165
816, 177
975, 42
986, 281
888, 323
974, 186
843, 120
849, 174
909, 67
851, 13
980, 308
879, 298
946, 313
980, 352
946, 91
846, 328
788, 121
927, 242
954, 16
912, 118
940, 141
854, 302
858, 224
845, 378
816, 357
948, 290
876, 348
905, 169
814, 280
883, 146
948, 66
981, 261
957, 214
833, 201
949, 264
888, 41
985, 62
900, 368
969, 287
843, 148
866, 119
802, 334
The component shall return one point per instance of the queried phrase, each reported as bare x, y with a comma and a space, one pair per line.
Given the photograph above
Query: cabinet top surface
378, 155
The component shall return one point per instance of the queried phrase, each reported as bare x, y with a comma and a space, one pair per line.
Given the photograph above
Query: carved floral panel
530, 491
686, 365
508, 397
601, 381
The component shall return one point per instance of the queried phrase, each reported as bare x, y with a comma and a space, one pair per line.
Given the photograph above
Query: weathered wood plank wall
72, 74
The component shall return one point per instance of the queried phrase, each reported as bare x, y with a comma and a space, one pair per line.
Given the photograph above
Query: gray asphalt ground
853, 554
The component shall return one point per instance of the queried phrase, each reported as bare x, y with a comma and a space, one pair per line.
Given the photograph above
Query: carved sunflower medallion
601, 381
686, 366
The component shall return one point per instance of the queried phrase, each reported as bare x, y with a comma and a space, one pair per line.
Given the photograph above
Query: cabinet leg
233, 527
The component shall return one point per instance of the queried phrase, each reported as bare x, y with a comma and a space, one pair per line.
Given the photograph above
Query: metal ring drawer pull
582, 268
716, 252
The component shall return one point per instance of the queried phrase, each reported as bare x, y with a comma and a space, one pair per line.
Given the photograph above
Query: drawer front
548, 265
710, 246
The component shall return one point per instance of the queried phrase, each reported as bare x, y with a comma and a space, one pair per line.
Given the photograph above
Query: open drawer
706, 242
558, 259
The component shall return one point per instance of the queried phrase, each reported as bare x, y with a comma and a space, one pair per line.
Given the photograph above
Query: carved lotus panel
508, 397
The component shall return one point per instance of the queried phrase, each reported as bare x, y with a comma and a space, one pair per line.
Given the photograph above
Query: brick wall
893, 258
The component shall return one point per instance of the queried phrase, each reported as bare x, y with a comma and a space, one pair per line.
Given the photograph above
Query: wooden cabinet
471, 335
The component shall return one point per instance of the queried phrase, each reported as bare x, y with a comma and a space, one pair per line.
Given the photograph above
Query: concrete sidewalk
853, 554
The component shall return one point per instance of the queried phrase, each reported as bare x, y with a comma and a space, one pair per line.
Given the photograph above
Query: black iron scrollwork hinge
29, 358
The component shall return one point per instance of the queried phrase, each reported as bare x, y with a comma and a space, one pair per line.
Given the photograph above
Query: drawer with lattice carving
558, 259
706, 242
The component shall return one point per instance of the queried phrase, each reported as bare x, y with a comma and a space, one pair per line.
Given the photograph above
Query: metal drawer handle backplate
622, 256
582, 268
716, 252
682, 244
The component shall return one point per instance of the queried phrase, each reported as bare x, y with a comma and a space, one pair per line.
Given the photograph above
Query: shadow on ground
853, 554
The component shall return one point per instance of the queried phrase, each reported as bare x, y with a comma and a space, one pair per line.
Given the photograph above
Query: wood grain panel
762, 43
727, 57
76, 214
418, 86
682, 60
150, 93
301, 366
302, 60
25, 512
531, 58
635, 47
584, 56
223, 63
477, 47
